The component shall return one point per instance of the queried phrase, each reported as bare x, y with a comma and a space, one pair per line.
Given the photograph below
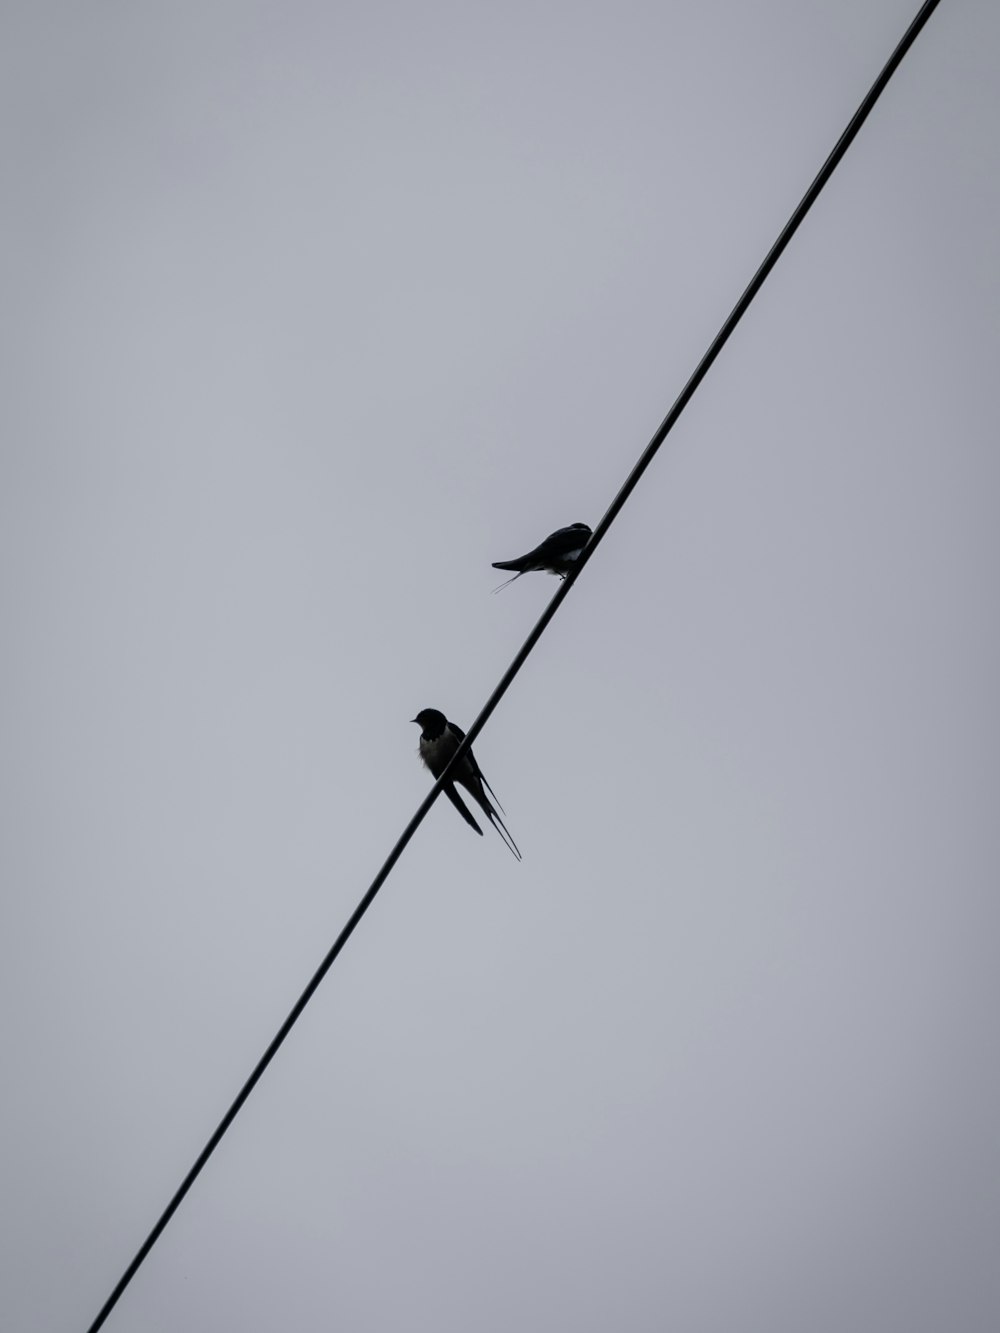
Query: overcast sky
310, 313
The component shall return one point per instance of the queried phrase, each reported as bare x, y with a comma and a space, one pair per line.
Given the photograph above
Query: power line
720, 340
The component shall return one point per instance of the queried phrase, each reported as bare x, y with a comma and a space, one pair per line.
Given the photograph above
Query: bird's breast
436, 753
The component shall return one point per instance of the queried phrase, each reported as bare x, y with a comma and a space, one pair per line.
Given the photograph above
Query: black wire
788, 231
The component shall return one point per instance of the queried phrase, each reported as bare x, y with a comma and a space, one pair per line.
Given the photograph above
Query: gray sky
311, 312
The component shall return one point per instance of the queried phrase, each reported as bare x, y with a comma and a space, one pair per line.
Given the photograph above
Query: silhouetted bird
556, 554
439, 739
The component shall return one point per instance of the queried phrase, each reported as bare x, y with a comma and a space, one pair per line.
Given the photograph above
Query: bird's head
431, 722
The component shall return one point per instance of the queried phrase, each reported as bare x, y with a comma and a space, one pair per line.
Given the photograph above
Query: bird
439, 739
556, 555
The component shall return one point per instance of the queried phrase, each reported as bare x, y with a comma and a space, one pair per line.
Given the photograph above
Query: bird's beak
413, 719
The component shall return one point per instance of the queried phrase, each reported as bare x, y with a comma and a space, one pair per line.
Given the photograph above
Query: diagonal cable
648, 454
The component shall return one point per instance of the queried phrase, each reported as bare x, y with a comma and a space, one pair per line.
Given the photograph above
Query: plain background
310, 313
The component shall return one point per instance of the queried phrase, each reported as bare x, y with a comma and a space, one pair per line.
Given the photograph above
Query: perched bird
439, 739
556, 554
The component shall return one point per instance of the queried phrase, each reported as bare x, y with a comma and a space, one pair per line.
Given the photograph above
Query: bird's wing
567, 539
519, 564
460, 806
477, 771
473, 783
525, 562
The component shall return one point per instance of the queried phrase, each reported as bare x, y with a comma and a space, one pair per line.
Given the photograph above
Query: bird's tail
501, 828
491, 792
507, 565
490, 812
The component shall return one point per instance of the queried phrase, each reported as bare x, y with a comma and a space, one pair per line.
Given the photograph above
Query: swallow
556, 555
439, 739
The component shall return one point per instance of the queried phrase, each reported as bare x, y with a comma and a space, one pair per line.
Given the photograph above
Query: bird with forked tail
439, 739
556, 555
